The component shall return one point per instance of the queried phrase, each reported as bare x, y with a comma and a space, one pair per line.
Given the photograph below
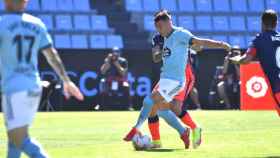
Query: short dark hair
162, 15
269, 18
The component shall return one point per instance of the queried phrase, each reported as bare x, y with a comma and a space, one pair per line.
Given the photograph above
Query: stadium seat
170, 5
114, 41
221, 5
81, 5
203, 23
204, 5
79, 41
220, 23
64, 5
237, 23
81, 22
273, 4
97, 42
239, 6
186, 5
62, 41
49, 5
47, 20
151, 5
254, 24
186, 22
256, 5
99, 22
63, 22
149, 23
237, 40
33, 5
220, 38
133, 5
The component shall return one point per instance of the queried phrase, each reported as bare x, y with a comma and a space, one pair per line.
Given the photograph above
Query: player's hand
226, 46
70, 89
236, 59
196, 48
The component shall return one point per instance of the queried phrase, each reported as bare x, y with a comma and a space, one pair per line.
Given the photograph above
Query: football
141, 142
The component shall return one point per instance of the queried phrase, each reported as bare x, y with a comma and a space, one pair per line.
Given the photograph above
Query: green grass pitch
227, 134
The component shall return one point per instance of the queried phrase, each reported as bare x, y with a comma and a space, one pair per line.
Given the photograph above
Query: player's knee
176, 107
16, 140
157, 98
16, 136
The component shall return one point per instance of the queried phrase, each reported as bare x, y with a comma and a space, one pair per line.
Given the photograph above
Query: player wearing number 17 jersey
266, 48
22, 38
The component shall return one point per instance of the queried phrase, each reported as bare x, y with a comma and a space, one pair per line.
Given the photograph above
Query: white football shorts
169, 88
19, 108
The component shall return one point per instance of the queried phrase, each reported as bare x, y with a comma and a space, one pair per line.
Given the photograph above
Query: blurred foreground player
22, 37
266, 48
172, 78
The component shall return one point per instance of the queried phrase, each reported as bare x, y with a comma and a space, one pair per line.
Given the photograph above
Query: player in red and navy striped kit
266, 48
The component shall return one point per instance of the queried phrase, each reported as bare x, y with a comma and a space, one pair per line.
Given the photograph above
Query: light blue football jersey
22, 37
175, 54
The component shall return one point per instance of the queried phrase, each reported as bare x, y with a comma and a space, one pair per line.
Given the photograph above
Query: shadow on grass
162, 150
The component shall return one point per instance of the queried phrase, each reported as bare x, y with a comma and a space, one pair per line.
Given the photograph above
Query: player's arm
157, 43
46, 47
210, 43
56, 63
54, 60
246, 58
157, 54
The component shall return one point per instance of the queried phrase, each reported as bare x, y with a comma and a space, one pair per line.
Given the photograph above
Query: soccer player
153, 121
172, 78
266, 48
22, 38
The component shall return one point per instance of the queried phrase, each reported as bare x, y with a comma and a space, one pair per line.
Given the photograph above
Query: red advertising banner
255, 92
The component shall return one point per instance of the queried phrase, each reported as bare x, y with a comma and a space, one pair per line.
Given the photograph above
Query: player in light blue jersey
22, 38
177, 42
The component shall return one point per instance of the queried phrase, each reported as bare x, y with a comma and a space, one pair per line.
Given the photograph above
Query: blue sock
172, 120
145, 111
32, 148
13, 151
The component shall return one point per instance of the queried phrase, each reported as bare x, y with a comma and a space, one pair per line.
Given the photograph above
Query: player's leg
163, 110
185, 117
153, 124
172, 121
148, 102
195, 97
166, 91
19, 111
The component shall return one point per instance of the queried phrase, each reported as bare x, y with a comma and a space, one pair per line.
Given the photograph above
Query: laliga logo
256, 87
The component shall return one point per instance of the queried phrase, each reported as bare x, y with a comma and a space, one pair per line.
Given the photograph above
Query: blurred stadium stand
235, 19
121, 21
